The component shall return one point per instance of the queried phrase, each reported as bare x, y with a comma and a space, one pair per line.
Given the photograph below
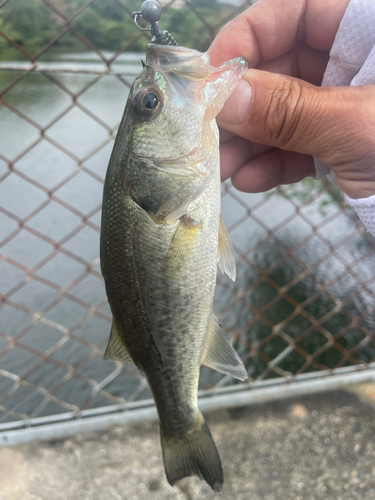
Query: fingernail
237, 107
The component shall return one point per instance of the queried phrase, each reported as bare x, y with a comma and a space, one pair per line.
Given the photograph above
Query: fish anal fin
227, 260
181, 245
116, 349
220, 355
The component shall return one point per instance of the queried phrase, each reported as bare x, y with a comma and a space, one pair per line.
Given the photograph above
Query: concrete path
316, 447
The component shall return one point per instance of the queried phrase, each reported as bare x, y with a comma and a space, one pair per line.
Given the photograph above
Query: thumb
291, 114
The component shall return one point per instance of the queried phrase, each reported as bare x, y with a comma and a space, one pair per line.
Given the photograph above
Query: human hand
279, 117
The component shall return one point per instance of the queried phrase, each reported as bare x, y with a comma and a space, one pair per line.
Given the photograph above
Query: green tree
28, 23
104, 24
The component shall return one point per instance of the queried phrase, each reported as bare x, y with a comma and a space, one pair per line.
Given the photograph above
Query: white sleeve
352, 62
365, 208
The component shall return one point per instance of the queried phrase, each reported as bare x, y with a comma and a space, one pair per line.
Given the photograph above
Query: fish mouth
175, 59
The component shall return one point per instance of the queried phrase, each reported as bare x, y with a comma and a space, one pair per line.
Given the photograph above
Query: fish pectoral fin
115, 348
227, 260
220, 355
182, 245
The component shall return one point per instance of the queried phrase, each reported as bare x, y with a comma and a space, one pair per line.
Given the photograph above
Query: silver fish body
161, 241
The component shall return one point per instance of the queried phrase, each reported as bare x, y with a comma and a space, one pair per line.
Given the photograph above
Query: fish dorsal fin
116, 349
227, 260
220, 355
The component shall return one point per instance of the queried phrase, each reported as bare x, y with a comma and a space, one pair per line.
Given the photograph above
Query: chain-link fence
303, 301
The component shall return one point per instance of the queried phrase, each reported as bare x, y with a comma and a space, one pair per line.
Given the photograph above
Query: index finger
270, 28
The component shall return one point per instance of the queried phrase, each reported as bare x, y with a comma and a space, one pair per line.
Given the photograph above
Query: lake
305, 270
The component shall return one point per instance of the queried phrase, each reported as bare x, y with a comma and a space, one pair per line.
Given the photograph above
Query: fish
162, 238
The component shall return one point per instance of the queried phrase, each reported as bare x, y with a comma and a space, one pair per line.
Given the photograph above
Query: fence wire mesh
303, 300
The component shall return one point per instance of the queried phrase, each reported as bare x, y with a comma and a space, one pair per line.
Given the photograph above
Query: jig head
151, 12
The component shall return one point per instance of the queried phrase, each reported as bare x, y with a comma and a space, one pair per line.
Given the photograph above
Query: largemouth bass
161, 240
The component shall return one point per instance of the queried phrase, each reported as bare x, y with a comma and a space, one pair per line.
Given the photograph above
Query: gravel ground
310, 448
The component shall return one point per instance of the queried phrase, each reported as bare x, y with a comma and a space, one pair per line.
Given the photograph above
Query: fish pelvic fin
220, 355
116, 349
227, 259
192, 454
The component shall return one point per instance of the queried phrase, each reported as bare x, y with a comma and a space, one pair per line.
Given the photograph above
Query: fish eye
150, 100
148, 103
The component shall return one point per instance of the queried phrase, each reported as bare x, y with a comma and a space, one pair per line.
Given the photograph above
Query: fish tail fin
194, 453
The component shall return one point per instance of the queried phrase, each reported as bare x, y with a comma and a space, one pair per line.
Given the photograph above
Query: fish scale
161, 240
179, 140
